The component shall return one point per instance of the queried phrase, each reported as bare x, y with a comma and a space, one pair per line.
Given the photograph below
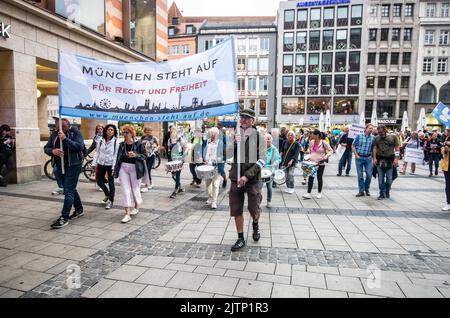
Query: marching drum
279, 177
205, 172
174, 166
309, 168
266, 174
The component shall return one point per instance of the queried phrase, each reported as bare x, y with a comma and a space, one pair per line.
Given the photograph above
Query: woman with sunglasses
130, 168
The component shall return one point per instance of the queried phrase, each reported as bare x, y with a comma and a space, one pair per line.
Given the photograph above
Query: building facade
432, 74
320, 49
255, 43
32, 32
392, 28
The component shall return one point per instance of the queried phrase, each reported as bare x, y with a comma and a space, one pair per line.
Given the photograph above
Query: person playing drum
272, 162
213, 157
176, 145
290, 153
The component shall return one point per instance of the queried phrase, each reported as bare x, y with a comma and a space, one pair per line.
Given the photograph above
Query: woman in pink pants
130, 168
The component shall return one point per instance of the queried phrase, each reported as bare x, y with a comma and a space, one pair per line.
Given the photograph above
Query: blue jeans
269, 189
71, 196
176, 176
150, 161
58, 176
364, 163
346, 159
385, 179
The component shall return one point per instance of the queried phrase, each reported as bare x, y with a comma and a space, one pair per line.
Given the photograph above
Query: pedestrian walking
412, 143
346, 159
130, 168
253, 158
445, 168
176, 146
195, 157
105, 160
434, 147
150, 145
290, 155
363, 149
7, 145
272, 162
214, 152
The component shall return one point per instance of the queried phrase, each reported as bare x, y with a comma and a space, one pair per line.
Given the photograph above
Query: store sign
387, 121
4, 30
320, 3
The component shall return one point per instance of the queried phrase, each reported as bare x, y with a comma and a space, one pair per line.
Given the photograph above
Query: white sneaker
304, 182
446, 208
307, 196
143, 190
134, 211
214, 206
319, 196
290, 191
126, 219
58, 191
150, 187
269, 204
208, 202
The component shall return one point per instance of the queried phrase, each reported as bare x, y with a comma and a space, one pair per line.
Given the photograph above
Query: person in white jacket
105, 158
213, 149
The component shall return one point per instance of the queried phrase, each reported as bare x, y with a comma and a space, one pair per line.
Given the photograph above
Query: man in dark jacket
252, 159
71, 158
289, 155
6, 150
346, 158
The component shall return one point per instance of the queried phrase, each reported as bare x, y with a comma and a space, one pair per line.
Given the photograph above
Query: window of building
382, 82
385, 9
300, 84
264, 44
445, 10
300, 63
252, 104
252, 84
444, 38
241, 64
406, 60
373, 35
288, 42
407, 34
373, 10
241, 84
302, 19
263, 84
354, 61
189, 29
293, 106
315, 18
313, 85
341, 62
328, 40
368, 108
427, 65
328, 17
355, 38
431, 10
242, 45
356, 15
341, 39
370, 82
314, 63
314, 40
339, 84
442, 66
186, 49
353, 84
209, 44
397, 10
394, 58
429, 37
393, 82
318, 105
386, 108
444, 94
287, 85
263, 107
264, 64
427, 94
301, 41
288, 60
326, 85
395, 34
382, 59
253, 45
175, 50
409, 9
90, 14
327, 62
384, 34
252, 64
345, 105
171, 31
342, 16
241, 105
371, 60
175, 20
405, 82
403, 106
289, 19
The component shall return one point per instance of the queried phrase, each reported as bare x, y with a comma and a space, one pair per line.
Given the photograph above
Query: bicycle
87, 169
157, 161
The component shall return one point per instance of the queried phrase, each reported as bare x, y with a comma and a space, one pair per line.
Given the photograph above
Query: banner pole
59, 108
238, 133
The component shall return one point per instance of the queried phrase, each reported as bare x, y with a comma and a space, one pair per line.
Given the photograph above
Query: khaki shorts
237, 197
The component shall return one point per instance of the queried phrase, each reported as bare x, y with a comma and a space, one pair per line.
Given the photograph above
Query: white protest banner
355, 130
414, 155
340, 151
199, 86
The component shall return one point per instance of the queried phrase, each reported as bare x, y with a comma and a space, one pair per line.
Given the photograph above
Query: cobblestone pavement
337, 246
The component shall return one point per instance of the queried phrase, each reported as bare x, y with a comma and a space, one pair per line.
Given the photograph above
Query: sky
227, 7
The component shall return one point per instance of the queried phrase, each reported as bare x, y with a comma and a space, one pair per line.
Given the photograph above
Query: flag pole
59, 108
238, 133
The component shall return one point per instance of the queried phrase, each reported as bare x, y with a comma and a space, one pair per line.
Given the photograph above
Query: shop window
344, 106
386, 108
318, 104
294, 106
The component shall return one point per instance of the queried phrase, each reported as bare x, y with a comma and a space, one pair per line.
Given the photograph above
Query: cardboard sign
355, 130
414, 155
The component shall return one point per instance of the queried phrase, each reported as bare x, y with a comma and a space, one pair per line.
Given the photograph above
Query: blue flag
442, 113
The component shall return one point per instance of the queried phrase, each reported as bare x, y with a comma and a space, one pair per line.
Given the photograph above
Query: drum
174, 166
205, 172
266, 174
309, 168
279, 176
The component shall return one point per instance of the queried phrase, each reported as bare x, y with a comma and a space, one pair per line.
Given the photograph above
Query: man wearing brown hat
252, 159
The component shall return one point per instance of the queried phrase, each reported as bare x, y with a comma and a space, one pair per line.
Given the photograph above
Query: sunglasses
125, 132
